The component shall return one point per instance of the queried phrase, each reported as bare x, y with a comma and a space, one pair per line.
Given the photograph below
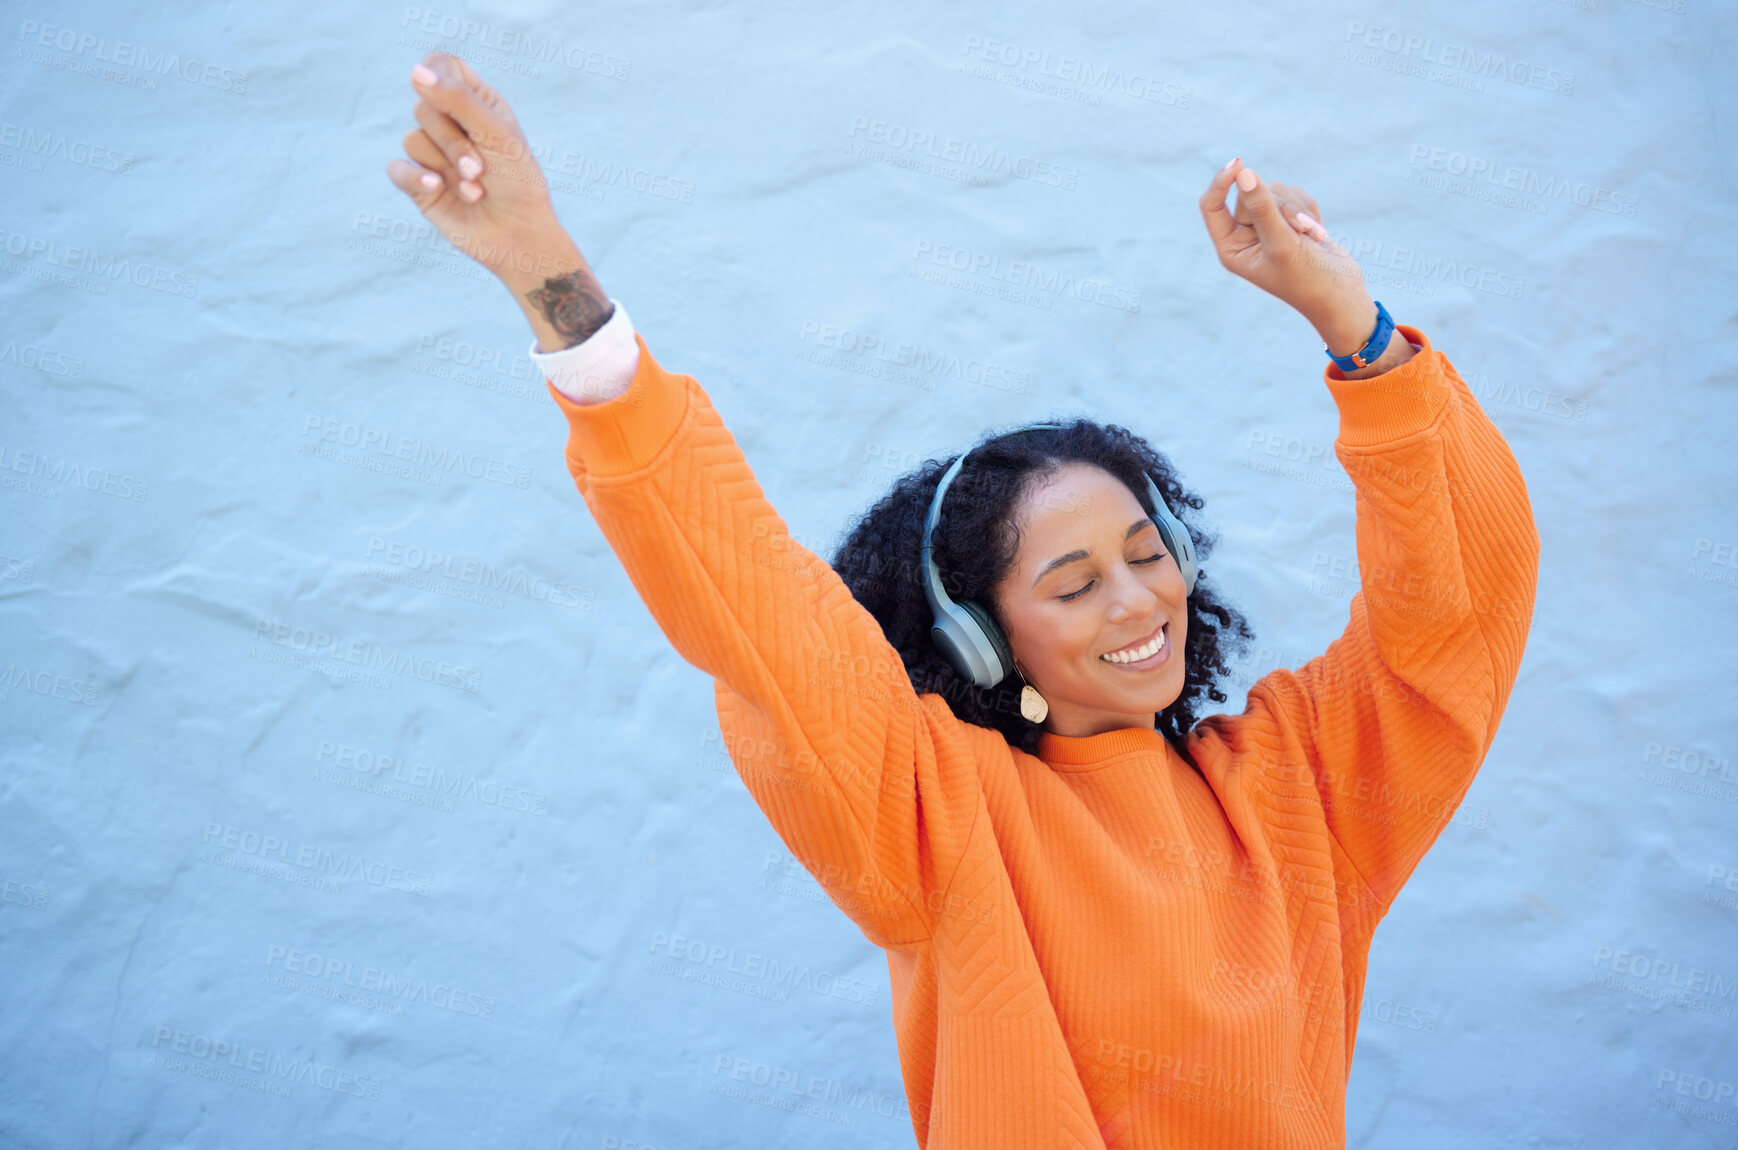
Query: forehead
1076, 506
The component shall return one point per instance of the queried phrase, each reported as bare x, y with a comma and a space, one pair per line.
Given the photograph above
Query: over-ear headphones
964, 631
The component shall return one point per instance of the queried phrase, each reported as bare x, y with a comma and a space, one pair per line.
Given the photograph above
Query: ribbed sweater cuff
1390, 406
599, 366
625, 433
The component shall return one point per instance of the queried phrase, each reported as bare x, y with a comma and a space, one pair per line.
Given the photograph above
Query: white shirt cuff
597, 368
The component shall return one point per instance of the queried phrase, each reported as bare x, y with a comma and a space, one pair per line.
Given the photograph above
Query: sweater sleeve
819, 716
1393, 721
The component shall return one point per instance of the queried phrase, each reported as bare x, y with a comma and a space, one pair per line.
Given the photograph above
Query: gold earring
1033, 706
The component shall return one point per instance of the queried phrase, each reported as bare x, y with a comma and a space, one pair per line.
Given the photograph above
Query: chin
1167, 698
1142, 702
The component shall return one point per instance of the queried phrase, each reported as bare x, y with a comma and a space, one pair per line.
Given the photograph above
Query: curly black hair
974, 546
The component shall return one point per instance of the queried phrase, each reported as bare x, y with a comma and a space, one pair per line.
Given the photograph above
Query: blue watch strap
1373, 347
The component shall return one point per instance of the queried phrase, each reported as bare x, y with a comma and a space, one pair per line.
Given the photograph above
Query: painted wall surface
349, 795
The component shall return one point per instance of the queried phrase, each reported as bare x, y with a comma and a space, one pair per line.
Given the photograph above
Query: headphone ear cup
999, 657
972, 642
1175, 535
1178, 543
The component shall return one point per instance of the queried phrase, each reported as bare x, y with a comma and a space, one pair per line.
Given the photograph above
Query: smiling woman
1118, 923
1044, 527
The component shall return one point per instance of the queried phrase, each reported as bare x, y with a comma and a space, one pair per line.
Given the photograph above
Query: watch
1373, 347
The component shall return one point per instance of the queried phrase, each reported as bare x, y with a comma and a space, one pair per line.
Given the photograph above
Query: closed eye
1073, 595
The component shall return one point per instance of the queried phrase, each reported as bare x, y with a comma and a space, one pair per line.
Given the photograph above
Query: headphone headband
964, 631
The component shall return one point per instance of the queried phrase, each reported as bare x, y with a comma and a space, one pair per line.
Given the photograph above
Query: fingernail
1246, 179
424, 75
1229, 164
430, 180
469, 166
1310, 222
472, 192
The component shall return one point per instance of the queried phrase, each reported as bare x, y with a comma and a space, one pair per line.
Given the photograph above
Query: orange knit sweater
1103, 946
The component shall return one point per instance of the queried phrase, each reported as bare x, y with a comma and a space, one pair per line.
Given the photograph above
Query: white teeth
1151, 648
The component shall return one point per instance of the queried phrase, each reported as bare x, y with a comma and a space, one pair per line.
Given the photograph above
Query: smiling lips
1142, 652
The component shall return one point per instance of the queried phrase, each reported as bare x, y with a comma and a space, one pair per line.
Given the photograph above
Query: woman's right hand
472, 175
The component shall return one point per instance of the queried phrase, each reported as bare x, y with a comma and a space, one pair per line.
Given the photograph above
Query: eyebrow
1077, 556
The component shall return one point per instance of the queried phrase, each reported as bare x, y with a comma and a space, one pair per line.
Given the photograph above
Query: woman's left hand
1267, 243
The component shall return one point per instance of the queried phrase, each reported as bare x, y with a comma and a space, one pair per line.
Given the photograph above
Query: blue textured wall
255, 895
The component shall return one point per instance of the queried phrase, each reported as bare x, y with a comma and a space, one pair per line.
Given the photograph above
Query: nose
1129, 597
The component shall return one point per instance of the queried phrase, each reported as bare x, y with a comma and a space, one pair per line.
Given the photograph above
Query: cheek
1072, 643
1050, 644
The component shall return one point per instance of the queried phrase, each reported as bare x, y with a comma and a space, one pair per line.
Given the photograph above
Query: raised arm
1386, 730
869, 786
872, 788
1381, 736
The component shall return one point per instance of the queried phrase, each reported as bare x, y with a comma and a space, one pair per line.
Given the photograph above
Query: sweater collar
1092, 751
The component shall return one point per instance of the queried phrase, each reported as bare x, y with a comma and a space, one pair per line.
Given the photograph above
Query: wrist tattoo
573, 304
